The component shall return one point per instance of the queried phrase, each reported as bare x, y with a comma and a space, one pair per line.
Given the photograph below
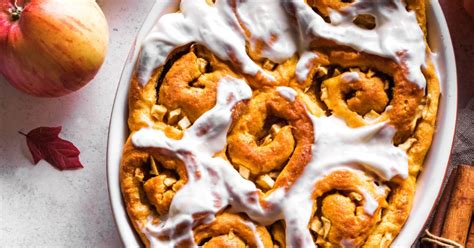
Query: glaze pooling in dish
242, 110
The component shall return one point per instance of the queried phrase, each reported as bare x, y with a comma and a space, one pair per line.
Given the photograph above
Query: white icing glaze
304, 65
349, 77
370, 204
258, 239
369, 146
287, 93
269, 23
396, 35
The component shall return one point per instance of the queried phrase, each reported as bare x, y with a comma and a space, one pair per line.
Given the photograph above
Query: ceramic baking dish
429, 183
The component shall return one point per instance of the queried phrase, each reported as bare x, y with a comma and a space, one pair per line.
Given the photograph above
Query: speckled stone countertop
43, 207
39, 205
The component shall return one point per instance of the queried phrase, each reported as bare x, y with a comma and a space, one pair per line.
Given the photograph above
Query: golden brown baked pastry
279, 123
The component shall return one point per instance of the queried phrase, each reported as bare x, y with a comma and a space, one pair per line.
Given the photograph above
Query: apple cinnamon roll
348, 205
363, 88
178, 92
232, 230
271, 138
149, 180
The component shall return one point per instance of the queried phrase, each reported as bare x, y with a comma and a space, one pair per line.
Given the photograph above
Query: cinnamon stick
470, 238
443, 202
458, 217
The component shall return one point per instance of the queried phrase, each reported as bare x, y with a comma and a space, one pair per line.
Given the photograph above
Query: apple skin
55, 47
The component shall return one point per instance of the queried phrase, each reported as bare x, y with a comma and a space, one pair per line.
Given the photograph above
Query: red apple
51, 48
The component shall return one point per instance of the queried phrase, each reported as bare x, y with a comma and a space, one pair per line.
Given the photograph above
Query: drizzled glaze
283, 28
304, 65
213, 183
287, 93
349, 77
266, 19
369, 146
396, 35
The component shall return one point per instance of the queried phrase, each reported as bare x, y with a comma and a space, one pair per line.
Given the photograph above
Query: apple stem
15, 11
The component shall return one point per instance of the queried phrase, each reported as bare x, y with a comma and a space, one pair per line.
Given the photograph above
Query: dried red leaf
44, 143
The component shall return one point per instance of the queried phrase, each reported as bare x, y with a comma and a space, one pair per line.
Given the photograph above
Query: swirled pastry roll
279, 123
271, 140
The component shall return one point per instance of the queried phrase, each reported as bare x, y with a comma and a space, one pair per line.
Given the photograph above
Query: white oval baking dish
429, 182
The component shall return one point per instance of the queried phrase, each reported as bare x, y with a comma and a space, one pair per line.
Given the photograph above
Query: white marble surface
39, 205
